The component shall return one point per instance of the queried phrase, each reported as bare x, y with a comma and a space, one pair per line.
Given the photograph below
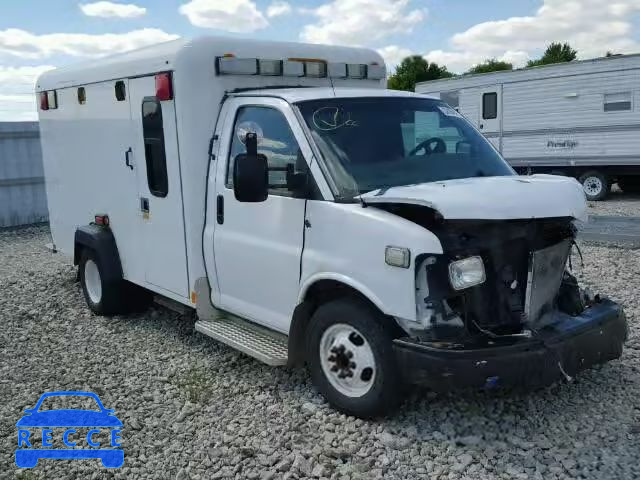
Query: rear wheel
595, 184
351, 358
629, 184
102, 297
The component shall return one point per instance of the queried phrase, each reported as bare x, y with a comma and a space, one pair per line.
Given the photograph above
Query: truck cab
375, 236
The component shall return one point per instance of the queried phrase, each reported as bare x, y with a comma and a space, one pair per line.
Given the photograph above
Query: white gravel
193, 408
618, 203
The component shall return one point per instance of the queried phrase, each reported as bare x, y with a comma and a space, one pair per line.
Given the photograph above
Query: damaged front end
500, 307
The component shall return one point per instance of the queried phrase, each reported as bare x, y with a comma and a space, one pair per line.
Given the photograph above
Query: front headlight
466, 273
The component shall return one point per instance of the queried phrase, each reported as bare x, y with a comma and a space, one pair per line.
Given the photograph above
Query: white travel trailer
580, 119
308, 215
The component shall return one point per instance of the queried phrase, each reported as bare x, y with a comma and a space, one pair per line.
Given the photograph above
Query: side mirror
250, 173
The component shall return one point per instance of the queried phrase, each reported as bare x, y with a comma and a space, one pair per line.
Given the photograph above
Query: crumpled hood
492, 198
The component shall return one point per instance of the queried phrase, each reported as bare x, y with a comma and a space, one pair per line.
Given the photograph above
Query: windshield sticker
332, 118
448, 111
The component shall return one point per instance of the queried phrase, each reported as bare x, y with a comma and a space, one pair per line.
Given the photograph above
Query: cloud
112, 10
17, 100
278, 8
360, 22
21, 43
590, 26
240, 16
393, 55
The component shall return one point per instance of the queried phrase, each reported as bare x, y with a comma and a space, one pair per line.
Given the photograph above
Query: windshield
374, 143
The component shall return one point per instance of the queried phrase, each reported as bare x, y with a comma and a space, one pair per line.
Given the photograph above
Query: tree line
415, 69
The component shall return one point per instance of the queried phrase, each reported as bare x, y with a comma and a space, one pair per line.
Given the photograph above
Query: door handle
220, 209
127, 160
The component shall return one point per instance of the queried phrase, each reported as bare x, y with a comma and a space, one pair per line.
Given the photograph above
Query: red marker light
102, 220
44, 101
164, 91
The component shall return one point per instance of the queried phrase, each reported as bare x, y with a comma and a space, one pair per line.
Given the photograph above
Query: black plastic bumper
571, 344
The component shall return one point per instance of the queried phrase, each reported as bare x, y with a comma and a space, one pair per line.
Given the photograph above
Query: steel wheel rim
347, 360
592, 186
92, 281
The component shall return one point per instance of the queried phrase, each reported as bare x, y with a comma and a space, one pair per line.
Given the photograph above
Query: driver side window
275, 140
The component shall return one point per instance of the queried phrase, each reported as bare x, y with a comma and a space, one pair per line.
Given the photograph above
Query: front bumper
569, 345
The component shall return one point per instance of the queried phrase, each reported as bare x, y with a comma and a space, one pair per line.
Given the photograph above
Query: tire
630, 184
103, 298
595, 184
343, 333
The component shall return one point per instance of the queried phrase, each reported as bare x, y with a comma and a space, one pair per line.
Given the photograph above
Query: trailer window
617, 102
490, 106
154, 150
275, 140
121, 93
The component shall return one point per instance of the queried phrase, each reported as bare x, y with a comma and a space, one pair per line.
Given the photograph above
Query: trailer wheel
103, 298
630, 184
595, 184
351, 358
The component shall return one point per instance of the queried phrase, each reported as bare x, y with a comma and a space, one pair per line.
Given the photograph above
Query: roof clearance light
44, 101
356, 70
52, 99
376, 72
236, 66
338, 70
292, 68
315, 69
271, 67
164, 89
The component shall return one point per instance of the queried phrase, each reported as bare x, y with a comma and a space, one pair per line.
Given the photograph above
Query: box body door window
257, 246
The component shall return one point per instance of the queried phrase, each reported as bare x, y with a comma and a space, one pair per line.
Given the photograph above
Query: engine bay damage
526, 280
521, 321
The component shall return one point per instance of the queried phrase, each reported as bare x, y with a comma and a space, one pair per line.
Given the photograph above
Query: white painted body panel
545, 107
77, 138
346, 242
161, 232
493, 198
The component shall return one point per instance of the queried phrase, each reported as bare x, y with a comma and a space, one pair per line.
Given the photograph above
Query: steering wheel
439, 147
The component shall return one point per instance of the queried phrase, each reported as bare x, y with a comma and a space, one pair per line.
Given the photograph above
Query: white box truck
310, 216
580, 119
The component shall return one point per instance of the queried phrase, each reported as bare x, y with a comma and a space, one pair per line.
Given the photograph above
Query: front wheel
595, 184
351, 358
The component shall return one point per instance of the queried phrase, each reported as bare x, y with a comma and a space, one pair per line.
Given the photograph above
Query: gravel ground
193, 408
618, 203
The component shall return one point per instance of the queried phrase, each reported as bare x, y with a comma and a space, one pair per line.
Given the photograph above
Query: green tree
415, 69
555, 53
491, 65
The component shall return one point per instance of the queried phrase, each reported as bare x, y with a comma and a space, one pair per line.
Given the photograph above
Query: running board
258, 342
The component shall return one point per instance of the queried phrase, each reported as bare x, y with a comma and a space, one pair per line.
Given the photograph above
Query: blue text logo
41, 431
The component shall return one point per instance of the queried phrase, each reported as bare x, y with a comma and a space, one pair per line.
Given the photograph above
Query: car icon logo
36, 436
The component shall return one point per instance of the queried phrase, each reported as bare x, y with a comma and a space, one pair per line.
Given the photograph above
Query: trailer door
490, 111
161, 232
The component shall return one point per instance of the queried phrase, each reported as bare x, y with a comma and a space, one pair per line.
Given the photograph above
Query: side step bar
265, 345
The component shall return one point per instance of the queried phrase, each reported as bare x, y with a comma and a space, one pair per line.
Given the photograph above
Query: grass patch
195, 384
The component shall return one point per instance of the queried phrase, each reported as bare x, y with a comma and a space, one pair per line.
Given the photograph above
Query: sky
37, 35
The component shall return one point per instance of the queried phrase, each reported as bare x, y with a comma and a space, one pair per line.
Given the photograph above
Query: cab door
257, 246
161, 235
